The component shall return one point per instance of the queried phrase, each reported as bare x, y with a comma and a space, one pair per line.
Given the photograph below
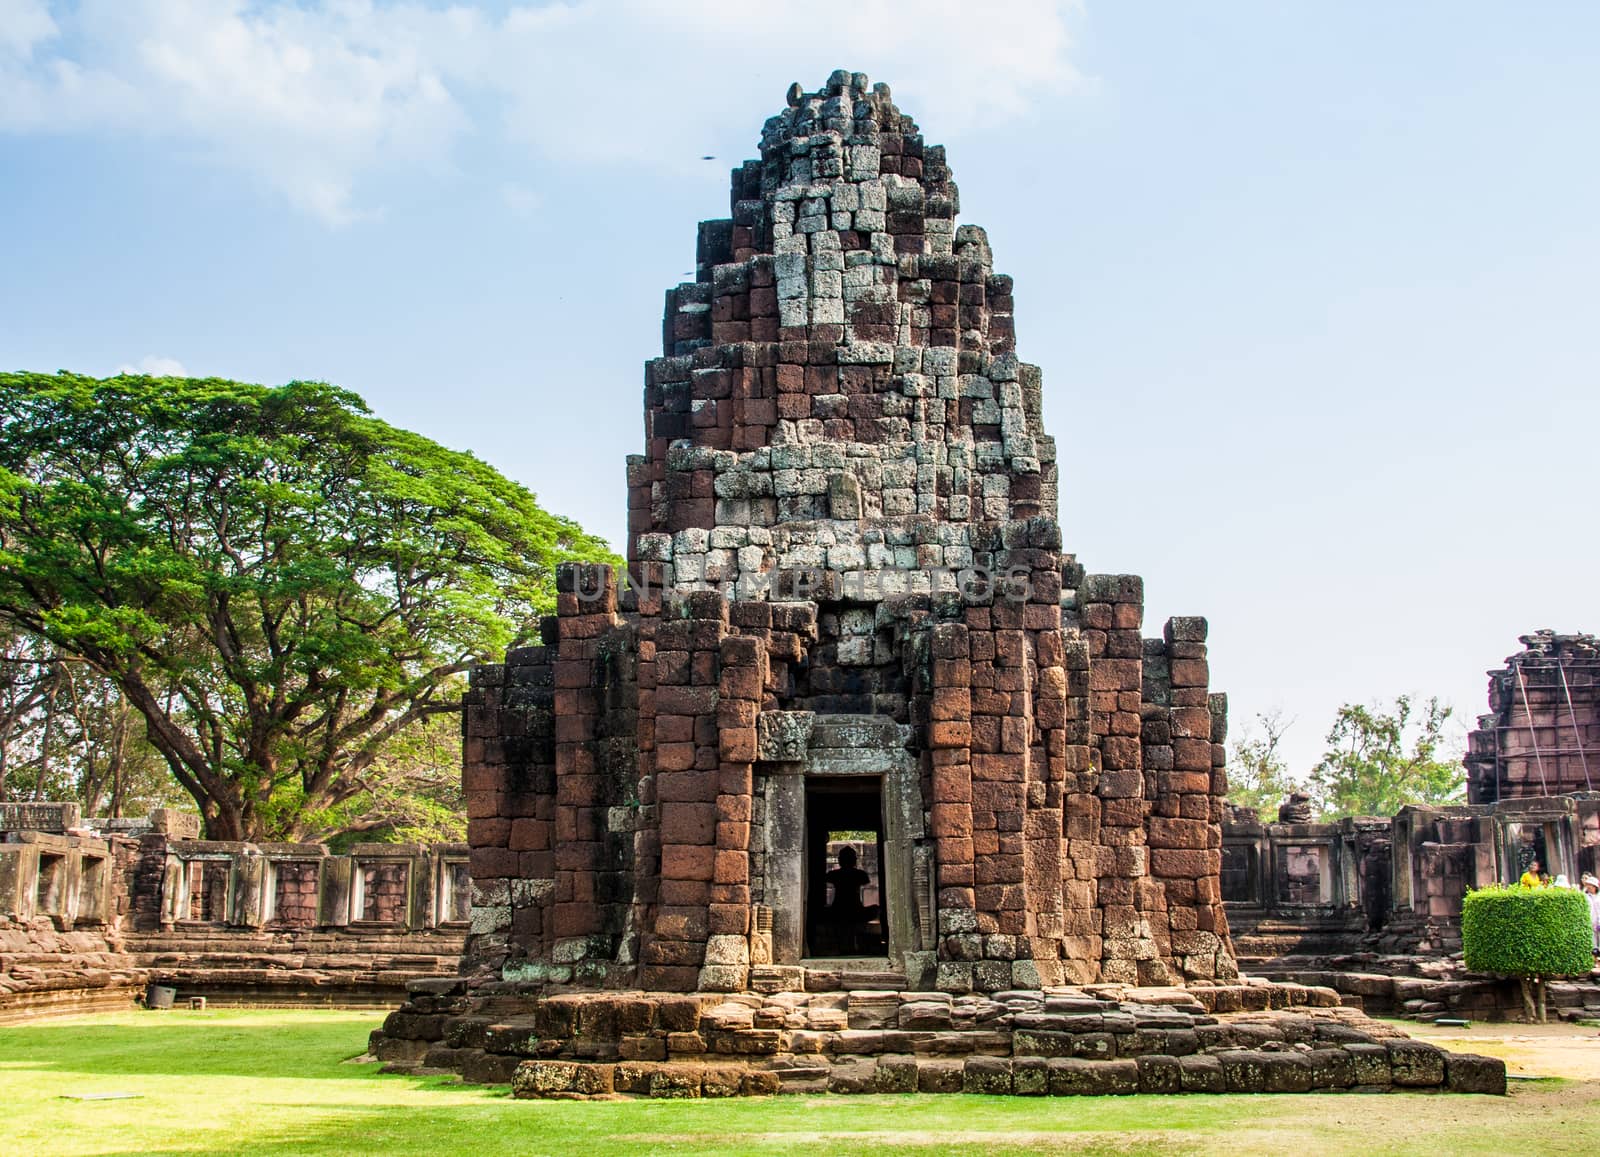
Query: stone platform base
118, 993
343, 968
1102, 1039
1426, 988
280, 988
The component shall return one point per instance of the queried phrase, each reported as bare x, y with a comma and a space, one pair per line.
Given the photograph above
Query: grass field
279, 1082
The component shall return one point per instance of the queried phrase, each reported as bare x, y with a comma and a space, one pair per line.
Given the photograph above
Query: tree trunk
223, 820
1539, 988
44, 744
117, 767
1529, 1012
221, 815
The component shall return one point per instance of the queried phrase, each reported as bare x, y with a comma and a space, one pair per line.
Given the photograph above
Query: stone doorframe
794, 746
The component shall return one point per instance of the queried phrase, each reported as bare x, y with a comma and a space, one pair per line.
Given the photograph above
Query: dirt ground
1529, 1050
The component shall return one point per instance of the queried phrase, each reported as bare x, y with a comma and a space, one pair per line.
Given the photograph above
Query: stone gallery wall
87, 921
845, 518
63, 901
1392, 885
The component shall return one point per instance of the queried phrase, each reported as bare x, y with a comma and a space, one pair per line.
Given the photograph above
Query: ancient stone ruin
851, 613
92, 912
1543, 728
859, 782
1371, 905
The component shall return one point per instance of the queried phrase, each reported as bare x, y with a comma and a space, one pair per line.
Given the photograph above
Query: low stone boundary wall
88, 921
116, 994
45, 971
1068, 1041
344, 967
1429, 988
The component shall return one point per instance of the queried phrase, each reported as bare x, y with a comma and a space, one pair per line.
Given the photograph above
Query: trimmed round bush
1516, 931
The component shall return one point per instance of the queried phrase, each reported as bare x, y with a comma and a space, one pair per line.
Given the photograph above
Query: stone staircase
1250, 1037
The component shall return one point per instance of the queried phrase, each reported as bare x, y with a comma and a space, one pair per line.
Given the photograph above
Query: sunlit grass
279, 1082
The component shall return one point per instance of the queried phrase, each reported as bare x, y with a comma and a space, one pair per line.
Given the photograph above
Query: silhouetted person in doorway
846, 913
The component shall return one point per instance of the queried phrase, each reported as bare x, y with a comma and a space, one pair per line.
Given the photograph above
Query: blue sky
1313, 285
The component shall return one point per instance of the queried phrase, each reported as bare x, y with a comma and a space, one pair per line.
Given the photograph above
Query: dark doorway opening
845, 900
1531, 847
1375, 886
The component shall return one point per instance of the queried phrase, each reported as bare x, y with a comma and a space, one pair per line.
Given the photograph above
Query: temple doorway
1529, 844
845, 911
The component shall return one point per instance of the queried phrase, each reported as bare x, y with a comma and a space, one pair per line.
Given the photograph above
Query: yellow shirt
1529, 880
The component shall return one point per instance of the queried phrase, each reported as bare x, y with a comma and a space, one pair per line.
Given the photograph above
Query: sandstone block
896, 1074
1202, 1074
940, 1076
1285, 1072
676, 1082
1159, 1074
759, 1083
1414, 1064
542, 1078
1470, 1073
1030, 1076
1245, 1070
987, 1075
1070, 1077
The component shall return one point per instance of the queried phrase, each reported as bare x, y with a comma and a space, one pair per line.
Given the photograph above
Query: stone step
851, 974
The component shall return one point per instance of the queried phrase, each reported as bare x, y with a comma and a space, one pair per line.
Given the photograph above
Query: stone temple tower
849, 630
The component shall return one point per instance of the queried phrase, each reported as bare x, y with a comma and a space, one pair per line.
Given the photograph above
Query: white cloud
651, 81
155, 366
24, 24
316, 97
306, 99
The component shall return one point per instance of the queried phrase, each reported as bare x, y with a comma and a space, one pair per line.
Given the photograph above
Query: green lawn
276, 1082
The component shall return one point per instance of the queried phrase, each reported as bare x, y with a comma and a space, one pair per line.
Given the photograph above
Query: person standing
846, 912
1591, 892
1534, 877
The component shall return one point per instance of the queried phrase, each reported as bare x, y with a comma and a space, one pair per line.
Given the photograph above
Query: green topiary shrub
1529, 933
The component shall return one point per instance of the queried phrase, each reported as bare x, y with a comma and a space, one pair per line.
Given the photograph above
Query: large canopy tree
277, 581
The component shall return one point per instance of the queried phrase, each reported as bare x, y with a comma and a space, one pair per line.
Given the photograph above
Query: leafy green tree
1258, 775
104, 761
416, 794
27, 687
1379, 761
278, 582
66, 734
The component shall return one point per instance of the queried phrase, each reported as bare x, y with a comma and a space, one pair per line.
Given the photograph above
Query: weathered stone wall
87, 922
63, 902
1542, 734
1372, 905
1395, 885
1392, 886
846, 511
